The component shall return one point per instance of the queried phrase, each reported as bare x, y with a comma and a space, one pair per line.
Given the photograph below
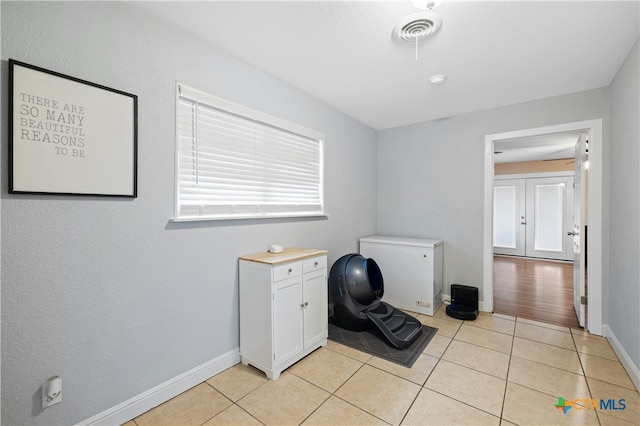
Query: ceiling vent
418, 26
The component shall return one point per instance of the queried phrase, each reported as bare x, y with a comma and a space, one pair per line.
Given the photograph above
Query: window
233, 162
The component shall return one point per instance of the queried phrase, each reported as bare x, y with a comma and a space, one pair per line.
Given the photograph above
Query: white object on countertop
275, 248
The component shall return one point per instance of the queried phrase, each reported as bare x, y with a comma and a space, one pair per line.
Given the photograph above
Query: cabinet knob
315, 264
302, 305
289, 270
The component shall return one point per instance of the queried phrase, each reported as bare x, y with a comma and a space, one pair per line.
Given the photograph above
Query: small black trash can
464, 302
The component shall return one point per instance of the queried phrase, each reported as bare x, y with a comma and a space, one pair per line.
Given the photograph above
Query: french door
531, 217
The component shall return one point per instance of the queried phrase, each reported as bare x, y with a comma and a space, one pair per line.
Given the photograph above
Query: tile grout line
411, 405
343, 383
476, 370
359, 408
244, 396
546, 365
380, 369
490, 329
584, 372
317, 408
348, 356
483, 347
506, 380
550, 344
422, 387
338, 388
248, 413
400, 377
462, 402
441, 359
232, 403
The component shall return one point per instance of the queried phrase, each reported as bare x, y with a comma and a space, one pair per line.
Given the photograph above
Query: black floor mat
373, 342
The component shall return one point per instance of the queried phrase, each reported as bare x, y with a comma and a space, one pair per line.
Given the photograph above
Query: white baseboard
625, 359
155, 396
447, 298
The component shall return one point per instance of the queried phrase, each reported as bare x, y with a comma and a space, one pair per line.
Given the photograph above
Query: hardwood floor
536, 289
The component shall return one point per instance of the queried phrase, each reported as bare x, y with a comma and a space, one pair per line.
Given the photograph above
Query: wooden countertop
288, 255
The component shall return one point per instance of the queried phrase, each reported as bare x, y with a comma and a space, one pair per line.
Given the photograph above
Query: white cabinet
283, 307
411, 269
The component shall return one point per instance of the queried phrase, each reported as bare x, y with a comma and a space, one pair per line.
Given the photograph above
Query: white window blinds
234, 162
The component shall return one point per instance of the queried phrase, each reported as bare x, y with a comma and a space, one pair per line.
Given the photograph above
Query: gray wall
107, 293
431, 175
624, 279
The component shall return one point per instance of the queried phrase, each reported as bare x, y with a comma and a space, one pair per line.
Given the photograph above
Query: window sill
243, 217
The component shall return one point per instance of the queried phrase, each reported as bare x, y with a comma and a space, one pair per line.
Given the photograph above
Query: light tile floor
496, 370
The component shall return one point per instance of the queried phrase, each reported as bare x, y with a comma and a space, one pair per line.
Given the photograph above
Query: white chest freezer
411, 269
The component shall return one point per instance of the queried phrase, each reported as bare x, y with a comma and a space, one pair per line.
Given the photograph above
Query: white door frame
594, 311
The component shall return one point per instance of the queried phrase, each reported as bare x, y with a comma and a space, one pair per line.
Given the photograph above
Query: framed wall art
69, 136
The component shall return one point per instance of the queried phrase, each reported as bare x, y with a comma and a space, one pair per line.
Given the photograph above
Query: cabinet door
287, 319
315, 306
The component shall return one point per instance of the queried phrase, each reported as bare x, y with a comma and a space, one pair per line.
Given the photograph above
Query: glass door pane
508, 216
505, 216
549, 217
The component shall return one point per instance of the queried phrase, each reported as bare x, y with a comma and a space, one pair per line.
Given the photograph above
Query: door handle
572, 234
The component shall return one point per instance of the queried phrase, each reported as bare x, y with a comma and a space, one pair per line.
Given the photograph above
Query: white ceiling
494, 53
554, 146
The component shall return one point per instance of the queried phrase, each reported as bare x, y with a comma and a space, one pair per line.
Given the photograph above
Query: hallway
536, 289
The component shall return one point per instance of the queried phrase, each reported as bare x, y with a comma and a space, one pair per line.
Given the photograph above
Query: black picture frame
68, 136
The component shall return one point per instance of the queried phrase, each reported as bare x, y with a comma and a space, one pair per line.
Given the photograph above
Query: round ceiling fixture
437, 80
426, 4
417, 26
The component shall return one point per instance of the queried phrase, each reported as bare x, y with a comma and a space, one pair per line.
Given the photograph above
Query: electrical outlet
423, 303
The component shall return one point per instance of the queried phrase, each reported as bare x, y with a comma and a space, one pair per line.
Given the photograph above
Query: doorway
594, 286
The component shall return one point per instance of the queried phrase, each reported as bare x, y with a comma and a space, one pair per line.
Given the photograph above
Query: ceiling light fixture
437, 80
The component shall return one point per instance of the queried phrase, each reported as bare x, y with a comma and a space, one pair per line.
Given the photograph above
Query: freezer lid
401, 241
